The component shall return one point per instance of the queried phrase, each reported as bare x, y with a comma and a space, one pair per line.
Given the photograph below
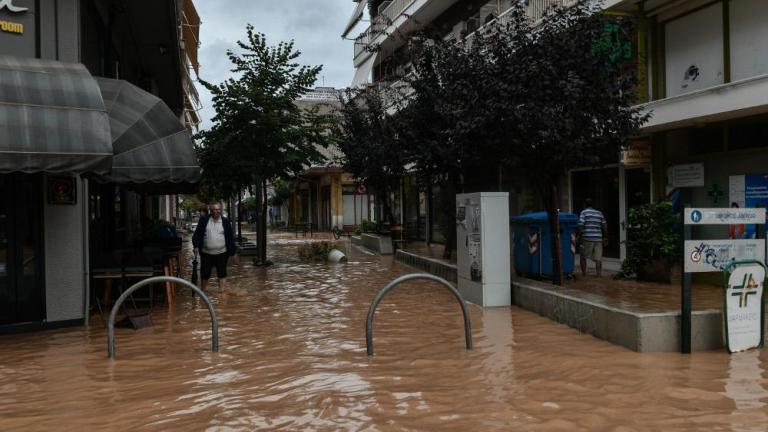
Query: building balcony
394, 14
723, 102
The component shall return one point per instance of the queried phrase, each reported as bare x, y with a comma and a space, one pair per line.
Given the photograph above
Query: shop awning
151, 146
52, 118
363, 73
357, 15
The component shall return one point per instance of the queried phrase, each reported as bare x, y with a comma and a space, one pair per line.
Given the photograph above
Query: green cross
715, 193
748, 287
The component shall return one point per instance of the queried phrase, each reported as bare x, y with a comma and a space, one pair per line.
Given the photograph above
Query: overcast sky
314, 25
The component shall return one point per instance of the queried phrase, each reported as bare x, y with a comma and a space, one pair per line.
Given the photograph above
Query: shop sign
703, 256
689, 175
744, 307
8, 5
724, 216
638, 154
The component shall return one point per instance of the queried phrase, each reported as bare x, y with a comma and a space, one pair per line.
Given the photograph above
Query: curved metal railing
390, 286
134, 287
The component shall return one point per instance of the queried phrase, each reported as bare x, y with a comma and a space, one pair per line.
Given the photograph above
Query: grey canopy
52, 118
149, 142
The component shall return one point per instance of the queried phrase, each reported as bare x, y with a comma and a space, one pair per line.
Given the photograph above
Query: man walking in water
214, 240
593, 230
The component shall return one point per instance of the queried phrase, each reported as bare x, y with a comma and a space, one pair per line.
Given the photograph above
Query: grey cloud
314, 25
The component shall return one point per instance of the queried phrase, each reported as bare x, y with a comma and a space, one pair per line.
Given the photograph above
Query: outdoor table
120, 265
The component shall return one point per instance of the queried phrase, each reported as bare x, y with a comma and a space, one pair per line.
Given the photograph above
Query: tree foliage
369, 138
259, 134
538, 100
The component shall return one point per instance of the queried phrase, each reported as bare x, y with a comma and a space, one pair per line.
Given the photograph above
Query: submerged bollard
134, 287
390, 286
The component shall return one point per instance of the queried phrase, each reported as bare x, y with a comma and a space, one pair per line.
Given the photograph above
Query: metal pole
134, 287
685, 295
390, 286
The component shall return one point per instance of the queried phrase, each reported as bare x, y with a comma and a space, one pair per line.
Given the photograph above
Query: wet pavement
293, 358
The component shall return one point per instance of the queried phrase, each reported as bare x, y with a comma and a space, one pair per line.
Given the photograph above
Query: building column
337, 209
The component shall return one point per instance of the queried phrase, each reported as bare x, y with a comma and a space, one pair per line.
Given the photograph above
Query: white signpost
742, 258
744, 307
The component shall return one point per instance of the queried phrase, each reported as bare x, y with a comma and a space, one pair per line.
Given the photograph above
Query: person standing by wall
214, 241
593, 230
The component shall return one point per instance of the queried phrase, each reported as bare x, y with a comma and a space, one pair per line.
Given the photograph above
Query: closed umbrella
194, 272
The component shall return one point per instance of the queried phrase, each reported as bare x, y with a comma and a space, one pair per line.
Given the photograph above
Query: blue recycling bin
532, 244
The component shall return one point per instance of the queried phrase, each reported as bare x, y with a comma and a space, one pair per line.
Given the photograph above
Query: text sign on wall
689, 175
703, 256
17, 27
637, 154
724, 216
743, 307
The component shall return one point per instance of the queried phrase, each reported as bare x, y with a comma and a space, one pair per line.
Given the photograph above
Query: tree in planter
568, 104
259, 134
448, 130
653, 242
368, 137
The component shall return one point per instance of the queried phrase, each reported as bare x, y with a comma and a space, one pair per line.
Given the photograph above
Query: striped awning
357, 15
52, 118
150, 144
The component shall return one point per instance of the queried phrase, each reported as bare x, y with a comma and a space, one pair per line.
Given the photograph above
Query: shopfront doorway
21, 249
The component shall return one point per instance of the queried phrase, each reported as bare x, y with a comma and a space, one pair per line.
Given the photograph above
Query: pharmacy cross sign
744, 309
748, 287
715, 193
8, 4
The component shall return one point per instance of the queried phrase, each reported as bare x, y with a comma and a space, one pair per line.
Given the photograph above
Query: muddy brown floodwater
293, 358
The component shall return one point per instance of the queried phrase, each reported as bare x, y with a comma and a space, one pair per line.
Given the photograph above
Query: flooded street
293, 358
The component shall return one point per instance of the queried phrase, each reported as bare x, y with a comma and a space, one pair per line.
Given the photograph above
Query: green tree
368, 137
566, 102
258, 133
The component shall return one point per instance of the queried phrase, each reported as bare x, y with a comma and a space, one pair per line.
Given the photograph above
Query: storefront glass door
21, 267
602, 186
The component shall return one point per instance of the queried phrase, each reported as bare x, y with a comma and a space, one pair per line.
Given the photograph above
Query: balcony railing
535, 9
379, 23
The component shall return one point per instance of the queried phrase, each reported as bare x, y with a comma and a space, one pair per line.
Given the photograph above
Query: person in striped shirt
593, 230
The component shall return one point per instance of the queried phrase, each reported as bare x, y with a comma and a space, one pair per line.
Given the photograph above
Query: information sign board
724, 216
715, 255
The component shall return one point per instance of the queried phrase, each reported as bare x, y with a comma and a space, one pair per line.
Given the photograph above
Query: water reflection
293, 358
748, 392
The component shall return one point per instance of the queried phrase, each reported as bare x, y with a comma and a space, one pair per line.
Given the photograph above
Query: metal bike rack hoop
175, 280
390, 286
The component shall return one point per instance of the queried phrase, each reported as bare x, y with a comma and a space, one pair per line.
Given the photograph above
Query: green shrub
366, 227
316, 252
653, 236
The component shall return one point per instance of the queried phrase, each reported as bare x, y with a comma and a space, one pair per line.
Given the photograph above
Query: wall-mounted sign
723, 216
8, 5
744, 307
703, 256
62, 190
17, 27
637, 154
689, 175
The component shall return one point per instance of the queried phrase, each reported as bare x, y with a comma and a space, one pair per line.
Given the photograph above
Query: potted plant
653, 243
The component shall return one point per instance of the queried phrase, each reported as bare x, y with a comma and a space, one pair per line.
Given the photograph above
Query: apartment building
703, 66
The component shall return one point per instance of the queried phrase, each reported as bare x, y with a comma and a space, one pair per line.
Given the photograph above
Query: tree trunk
263, 224
449, 217
240, 216
551, 200
257, 220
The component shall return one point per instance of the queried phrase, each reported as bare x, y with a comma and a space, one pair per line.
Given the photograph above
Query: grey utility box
482, 238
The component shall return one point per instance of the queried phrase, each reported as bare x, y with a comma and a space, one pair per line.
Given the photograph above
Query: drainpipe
86, 249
